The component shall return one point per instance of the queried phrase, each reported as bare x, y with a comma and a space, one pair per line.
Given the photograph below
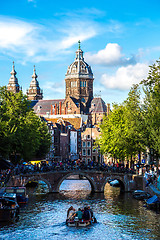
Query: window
83, 84
88, 152
88, 136
94, 150
88, 144
84, 152
73, 84
84, 144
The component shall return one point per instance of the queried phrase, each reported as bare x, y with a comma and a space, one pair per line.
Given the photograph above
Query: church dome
79, 68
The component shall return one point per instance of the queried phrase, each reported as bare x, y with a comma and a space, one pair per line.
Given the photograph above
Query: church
74, 120
79, 105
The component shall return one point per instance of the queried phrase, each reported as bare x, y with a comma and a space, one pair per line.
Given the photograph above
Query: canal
119, 216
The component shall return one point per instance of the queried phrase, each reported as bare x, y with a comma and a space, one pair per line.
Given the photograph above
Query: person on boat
79, 214
92, 217
90, 212
70, 213
86, 214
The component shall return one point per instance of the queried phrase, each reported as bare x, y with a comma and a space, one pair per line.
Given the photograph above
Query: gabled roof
44, 106
75, 122
98, 105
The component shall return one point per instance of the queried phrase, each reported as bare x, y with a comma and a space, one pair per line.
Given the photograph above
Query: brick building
89, 150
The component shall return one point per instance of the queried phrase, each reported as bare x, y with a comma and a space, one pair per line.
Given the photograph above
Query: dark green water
119, 216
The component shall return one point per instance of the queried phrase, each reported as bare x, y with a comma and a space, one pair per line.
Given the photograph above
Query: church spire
79, 44
79, 52
13, 85
34, 92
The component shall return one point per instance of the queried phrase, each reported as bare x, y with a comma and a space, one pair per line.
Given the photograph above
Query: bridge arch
37, 178
121, 182
93, 186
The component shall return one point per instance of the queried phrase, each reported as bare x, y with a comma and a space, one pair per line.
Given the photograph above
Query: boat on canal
9, 208
140, 195
80, 223
81, 218
153, 203
114, 183
22, 197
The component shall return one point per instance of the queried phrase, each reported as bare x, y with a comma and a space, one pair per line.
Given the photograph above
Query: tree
151, 107
122, 132
21, 131
112, 133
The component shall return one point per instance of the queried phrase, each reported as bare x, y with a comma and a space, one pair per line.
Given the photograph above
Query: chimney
65, 110
51, 109
60, 108
55, 109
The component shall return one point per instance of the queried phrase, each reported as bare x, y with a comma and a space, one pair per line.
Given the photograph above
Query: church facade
79, 101
78, 111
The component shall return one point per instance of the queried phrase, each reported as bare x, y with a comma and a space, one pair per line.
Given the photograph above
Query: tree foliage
151, 107
134, 125
22, 133
122, 134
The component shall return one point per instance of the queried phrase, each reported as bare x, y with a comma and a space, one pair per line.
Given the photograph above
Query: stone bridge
97, 179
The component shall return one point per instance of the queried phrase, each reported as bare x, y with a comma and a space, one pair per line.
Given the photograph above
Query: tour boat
80, 223
153, 203
20, 192
9, 208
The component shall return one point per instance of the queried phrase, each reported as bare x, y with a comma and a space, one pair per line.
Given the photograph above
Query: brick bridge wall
97, 179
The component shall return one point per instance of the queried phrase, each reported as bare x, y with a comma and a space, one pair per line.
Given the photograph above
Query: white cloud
34, 43
110, 56
125, 77
14, 33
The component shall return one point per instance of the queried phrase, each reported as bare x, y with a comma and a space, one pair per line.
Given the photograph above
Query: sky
120, 39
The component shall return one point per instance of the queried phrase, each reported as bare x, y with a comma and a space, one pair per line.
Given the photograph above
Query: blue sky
120, 39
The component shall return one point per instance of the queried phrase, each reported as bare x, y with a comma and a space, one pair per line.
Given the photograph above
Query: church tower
79, 82
13, 85
34, 92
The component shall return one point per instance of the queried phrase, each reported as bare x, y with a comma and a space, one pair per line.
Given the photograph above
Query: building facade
90, 151
79, 110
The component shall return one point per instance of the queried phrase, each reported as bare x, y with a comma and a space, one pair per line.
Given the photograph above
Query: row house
89, 149
66, 141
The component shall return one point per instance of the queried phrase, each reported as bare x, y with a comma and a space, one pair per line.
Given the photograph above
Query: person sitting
86, 214
70, 213
79, 214
90, 212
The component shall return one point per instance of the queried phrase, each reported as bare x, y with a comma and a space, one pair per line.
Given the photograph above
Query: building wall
64, 146
89, 151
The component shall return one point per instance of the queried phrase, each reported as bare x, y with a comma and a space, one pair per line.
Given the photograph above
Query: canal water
119, 216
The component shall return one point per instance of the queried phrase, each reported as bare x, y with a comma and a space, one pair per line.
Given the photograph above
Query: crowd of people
152, 175
73, 165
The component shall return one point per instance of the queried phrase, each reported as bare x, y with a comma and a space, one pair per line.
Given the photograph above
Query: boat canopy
153, 199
